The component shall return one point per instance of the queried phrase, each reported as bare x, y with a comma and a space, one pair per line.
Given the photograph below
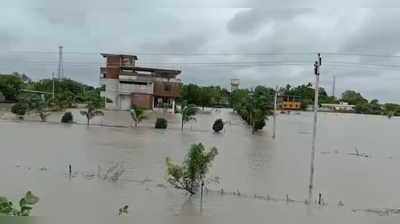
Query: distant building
289, 103
127, 85
235, 84
341, 107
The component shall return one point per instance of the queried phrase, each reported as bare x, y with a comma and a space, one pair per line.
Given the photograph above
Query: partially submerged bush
161, 123
25, 205
67, 118
218, 125
20, 109
193, 170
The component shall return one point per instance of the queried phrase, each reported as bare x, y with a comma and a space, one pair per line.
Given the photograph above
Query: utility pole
274, 117
333, 86
60, 70
317, 66
52, 77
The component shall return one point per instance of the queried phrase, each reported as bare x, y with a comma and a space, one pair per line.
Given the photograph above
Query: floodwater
35, 156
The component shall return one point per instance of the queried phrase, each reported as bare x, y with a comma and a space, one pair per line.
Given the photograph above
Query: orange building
290, 105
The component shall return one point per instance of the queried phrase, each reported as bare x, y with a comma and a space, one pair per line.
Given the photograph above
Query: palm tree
91, 112
188, 111
137, 115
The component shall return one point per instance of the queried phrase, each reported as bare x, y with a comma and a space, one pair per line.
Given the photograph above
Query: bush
258, 125
218, 125
190, 175
67, 118
161, 123
19, 109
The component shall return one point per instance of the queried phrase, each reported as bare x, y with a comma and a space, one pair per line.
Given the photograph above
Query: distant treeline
67, 92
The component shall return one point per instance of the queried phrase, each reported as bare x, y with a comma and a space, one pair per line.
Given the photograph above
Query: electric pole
317, 66
274, 117
60, 70
52, 77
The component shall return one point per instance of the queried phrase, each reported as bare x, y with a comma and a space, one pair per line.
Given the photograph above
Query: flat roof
121, 55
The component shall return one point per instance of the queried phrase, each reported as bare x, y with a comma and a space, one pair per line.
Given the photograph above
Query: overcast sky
262, 45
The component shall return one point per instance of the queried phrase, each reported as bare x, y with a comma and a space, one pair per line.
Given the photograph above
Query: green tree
25, 205
11, 86
194, 169
353, 97
91, 112
20, 109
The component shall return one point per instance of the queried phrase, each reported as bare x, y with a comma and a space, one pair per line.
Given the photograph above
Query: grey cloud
180, 44
252, 19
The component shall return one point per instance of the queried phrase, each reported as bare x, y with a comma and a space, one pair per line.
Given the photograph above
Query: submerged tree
188, 111
25, 205
91, 112
218, 125
193, 170
137, 115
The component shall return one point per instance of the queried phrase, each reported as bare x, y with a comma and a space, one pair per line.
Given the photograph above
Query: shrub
218, 125
161, 123
191, 174
19, 109
67, 118
258, 125
25, 205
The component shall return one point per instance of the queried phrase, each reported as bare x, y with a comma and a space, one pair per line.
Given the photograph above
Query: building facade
127, 85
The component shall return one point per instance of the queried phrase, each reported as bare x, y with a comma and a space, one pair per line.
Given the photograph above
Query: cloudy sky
261, 45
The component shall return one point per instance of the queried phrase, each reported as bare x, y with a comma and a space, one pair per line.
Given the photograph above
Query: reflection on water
35, 156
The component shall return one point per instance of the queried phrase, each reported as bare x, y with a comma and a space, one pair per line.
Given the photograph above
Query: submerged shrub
218, 125
25, 205
161, 123
191, 173
67, 118
20, 109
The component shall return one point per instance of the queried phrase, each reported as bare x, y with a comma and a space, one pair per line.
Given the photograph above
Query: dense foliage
204, 96
25, 205
218, 125
253, 106
161, 123
67, 118
306, 93
193, 170
20, 109
11, 85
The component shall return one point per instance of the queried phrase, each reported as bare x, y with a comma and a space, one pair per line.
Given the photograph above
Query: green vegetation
67, 92
305, 94
137, 115
193, 170
187, 111
25, 205
253, 106
207, 96
91, 112
20, 109
67, 118
11, 86
218, 125
161, 123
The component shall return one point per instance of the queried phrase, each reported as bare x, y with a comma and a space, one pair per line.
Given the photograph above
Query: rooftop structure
128, 85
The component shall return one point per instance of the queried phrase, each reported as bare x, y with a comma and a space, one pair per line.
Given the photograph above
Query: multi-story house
127, 85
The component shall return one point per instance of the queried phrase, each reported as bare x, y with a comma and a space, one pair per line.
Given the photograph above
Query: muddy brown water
35, 156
